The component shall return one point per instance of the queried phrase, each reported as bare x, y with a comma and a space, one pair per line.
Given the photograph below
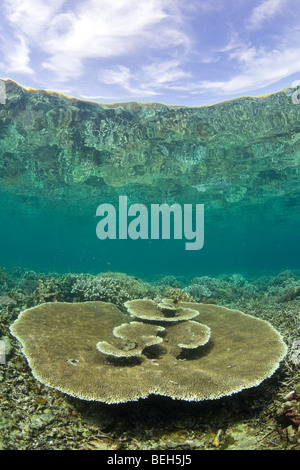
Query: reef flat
33, 416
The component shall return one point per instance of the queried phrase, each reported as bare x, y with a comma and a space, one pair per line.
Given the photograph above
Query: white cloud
99, 97
245, 54
71, 32
16, 55
122, 77
27, 20
163, 73
31, 16
260, 68
149, 80
267, 9
144, 48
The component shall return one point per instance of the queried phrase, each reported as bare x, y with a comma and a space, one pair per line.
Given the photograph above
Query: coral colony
190, 351
138, 227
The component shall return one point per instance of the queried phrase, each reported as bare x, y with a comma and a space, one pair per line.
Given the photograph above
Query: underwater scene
149, 274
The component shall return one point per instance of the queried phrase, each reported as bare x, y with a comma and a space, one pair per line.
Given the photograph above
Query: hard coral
59, 340
109, 287
48, 290
290, 294
163, 312
135, 336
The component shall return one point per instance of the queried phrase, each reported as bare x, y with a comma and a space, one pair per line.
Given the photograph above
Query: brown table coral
60, 340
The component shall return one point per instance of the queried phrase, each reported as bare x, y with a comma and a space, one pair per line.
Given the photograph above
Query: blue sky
185, 52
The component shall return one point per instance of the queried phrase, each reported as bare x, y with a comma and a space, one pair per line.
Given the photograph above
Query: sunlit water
53, 239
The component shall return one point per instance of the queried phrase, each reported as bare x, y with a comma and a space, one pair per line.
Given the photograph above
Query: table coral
59, 341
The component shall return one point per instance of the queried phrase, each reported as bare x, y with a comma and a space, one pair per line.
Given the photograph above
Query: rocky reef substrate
33, 416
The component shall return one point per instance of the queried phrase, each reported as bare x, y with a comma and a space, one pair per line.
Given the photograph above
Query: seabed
35, 417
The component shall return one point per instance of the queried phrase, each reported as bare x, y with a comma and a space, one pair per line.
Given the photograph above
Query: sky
180, 52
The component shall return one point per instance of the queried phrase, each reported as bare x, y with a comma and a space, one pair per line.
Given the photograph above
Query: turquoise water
55, 171
51, 238
48, 220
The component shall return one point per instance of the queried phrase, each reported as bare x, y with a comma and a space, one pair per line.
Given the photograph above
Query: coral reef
109, 287
33, 416
179, 295
290, 294
5, 300
5, 280
59, 341
136, 338
165, 311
